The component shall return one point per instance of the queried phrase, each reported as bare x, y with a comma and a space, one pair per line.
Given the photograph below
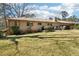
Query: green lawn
58, 43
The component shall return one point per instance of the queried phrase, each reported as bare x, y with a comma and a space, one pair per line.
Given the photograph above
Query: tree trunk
4, 11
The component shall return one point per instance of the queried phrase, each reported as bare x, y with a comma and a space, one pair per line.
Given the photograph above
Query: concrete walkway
26, 35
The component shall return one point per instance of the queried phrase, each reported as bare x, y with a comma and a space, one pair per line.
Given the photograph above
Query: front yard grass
61, 43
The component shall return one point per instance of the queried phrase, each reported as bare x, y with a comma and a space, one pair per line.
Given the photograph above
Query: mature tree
73, 18
30, 15
3, 14
50, 18
64, 14
15, 9
1, 10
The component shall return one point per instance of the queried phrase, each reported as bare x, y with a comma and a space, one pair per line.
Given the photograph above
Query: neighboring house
26, 24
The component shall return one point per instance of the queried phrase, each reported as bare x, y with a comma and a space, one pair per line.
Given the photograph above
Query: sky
46, 10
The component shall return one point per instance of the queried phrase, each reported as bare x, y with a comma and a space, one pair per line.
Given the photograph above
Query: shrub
29, 29
15, 30
1, 34
76, 26
46, 28
39, 30
42, 27
49, 28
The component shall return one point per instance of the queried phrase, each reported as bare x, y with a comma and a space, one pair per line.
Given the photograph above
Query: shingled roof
40, 20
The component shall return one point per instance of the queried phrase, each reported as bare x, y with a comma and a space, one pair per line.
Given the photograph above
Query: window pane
39, 23
29, 24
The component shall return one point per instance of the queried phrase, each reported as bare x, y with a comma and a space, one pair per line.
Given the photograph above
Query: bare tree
15, 9
3, 12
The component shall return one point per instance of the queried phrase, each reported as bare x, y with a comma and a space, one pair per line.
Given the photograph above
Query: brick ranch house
25, 24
